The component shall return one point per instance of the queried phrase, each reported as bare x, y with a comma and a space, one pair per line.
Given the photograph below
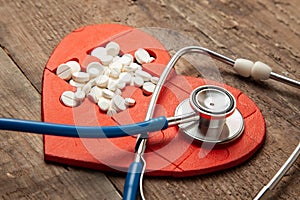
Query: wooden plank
264, 30
24, 172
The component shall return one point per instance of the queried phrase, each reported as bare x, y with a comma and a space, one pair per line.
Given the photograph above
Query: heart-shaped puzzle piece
169, 152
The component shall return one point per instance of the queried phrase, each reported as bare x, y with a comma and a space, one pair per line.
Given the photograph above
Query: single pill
126, 59
95, 65
112, 48
132, 67
142, 56
99, 52
92, 97
81, 77
97, 91
125, 77
118, 92
108, 94
75, 66
79, 95
93, 72
106, 71
111, 112
154, 80
114, 72
106, 59
104, 104
145, 75
87, 88
129, 102
116, 59
64, 71
148, 88
112, 84
116, 65
138, 81
102, 81
118, 103
121, 85
68, 99
76, 84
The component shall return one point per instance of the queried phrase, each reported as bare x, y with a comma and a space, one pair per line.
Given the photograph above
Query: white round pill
138, 81
145, 75
87, 88
76, 84
148, 88
92, 97
104, 104
142, 56
121, 85
111, 112
118, 103
129, 102
125, 77
108, 94
99, 52
79, 95
97, 91
154, 80
75, 66
114, 72
68, 99
116, 65
112, 48
81, 77
64, 71
112, 84
94, 65
106, 59
102, 81
126, 59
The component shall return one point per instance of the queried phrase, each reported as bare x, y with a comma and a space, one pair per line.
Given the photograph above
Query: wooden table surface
259, 30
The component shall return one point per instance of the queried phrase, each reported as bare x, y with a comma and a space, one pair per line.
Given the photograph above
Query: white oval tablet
97, 91
99, 52
111, 112
129, 102
81, 77
76, 84
108, 94
125, 77
112, 48
79, 95
145, 75
148, 88
92, 97
138, 81
64, 71
68, 99
142, 56
75, 66
126, 59
102, 81
118, 103
106, 59
154, 80
94, 65
104, 104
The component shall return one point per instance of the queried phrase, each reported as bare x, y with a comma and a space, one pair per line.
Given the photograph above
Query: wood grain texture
259, 30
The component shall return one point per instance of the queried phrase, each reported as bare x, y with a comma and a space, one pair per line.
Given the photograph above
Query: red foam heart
168, 153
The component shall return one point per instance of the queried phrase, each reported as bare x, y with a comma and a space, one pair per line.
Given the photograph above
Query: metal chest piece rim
219, 119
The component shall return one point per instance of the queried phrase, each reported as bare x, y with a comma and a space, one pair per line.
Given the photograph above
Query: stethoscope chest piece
219, 120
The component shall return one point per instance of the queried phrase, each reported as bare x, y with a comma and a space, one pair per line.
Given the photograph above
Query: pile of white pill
102, 82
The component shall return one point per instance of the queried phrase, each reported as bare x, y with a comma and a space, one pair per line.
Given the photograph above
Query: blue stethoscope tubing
37, 127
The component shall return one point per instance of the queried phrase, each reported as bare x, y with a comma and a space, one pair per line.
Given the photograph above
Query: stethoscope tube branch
74, 131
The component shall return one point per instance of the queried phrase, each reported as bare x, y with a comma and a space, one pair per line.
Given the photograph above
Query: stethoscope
208, 115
